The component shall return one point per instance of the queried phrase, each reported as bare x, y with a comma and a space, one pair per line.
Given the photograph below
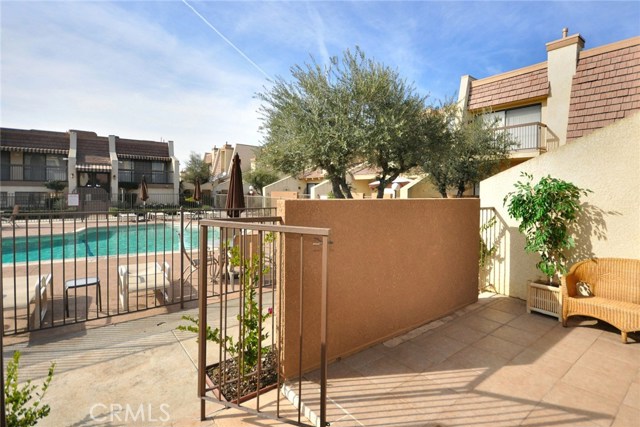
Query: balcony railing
529, 136
131, 175
33, 173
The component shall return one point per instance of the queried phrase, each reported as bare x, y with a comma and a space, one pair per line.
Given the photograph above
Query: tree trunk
345, 188
443, 191
461, 188
335, 185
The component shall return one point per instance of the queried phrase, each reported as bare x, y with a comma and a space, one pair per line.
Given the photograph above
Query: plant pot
268, 382
544, 298
220, 396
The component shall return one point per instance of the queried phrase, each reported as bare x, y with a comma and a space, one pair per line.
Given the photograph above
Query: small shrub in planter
546, 212
247, 351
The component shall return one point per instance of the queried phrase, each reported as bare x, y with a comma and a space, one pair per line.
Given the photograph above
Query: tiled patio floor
491, 364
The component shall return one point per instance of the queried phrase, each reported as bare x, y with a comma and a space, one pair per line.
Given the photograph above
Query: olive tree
351, 111
195, 168
260, 178
463, 149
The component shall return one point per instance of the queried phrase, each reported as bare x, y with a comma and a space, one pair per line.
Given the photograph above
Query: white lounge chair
15, 296
144, 278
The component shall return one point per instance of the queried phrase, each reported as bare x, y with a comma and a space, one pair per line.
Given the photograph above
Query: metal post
202, 318
3, 421
323, 333
182, 258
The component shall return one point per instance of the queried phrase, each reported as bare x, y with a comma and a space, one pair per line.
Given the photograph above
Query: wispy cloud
188, 71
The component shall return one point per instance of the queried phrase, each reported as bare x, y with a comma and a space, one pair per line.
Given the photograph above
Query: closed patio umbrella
197, 193
235, 196
145, 191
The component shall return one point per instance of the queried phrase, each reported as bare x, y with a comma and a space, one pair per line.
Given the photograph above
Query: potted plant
546, 212
239, 372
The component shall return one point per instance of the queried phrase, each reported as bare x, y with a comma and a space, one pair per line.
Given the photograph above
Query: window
5, 165
522, 123
158, 174
44, 167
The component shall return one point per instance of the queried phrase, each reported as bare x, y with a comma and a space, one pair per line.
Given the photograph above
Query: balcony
529, 137
152, 177
33, 173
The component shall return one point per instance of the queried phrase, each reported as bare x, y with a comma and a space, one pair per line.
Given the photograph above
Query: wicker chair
615, 284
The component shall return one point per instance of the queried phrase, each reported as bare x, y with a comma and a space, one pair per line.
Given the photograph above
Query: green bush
546, 212
22, 408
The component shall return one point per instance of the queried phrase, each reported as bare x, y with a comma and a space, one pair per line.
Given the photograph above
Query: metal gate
249, 261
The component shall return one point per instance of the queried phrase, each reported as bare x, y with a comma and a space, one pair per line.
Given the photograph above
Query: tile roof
313, 174
508, 88
142, 150
36, 141
605, 88
92, 149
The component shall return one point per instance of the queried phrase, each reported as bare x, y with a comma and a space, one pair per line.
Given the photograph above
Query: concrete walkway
490, 364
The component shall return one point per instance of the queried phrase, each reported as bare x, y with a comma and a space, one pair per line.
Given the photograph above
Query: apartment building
97, 168
571, 94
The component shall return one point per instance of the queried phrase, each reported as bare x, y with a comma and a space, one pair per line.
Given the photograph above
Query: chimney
562, 60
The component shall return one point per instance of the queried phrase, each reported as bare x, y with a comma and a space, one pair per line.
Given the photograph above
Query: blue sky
156, 70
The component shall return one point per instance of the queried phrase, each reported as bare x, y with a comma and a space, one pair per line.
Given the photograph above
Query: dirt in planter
228, 372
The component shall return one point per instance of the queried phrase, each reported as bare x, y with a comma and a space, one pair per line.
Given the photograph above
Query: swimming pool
99, 241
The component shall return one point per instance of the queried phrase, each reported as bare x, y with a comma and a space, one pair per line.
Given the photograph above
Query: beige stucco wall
393, 265
288, 183
419, 188
606, 162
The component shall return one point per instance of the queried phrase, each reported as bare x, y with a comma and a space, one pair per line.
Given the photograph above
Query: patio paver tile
499, 347
385, 372
540, 361
510, 305
598, 381
514, 335
411, 356
517, 383
497, 315
627, 417
544, 415
479, 323
425, 395
632, 399
365, 357
481, 409
437, 347
461, 332
626, 353
583, 404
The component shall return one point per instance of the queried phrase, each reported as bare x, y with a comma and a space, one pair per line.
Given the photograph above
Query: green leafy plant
487, 250
23, 409
249, 345
546, 212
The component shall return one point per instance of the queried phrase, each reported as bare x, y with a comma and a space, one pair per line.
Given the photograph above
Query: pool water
99, 241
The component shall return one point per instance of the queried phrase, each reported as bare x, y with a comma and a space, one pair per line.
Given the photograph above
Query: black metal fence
47, 201
60, 268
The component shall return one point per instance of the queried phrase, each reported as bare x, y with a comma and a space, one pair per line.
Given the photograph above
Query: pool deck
490, 364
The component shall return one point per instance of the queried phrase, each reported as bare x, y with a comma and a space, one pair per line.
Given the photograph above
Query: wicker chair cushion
584, 289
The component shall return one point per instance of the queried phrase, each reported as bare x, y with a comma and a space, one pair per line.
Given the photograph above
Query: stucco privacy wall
607, 162
393, 265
